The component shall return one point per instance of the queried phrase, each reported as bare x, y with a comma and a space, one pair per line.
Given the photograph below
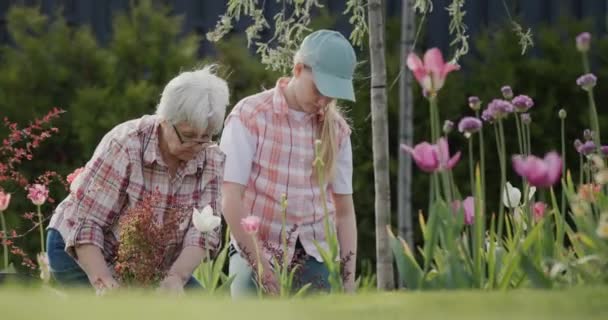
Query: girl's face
308, 97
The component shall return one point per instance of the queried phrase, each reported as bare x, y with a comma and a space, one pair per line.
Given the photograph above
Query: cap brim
334, 87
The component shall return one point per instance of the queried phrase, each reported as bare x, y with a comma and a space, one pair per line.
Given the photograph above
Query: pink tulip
38, 193
539, 172
251, 224
469, 210
430, 157
443, 149
468, 205
432, 73
72, 176
5, 199
425, 156
539, 209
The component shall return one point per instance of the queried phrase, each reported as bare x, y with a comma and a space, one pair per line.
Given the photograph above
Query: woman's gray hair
197, 97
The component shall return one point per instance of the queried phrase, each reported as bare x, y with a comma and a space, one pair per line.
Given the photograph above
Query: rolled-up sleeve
213, 179
100, 196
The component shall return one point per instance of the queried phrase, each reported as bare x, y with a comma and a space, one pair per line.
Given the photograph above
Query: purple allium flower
587, 148
507, 92
522, 103
487, 115
497, 109
587, 81
583, 41
604, 150
474, 103
525, 118
469, 125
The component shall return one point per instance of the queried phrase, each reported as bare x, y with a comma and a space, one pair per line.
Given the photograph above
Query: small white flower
204, 220
512, 196
43, 264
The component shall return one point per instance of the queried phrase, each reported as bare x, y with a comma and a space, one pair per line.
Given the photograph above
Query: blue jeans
244, 284
66, 271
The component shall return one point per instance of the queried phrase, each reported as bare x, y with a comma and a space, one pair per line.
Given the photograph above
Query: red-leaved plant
145, 244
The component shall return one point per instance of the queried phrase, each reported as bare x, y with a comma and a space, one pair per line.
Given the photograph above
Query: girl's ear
297, 69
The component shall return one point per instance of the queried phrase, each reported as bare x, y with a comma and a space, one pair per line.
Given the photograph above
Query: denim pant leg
64, 268
315, 273
192, 284
243, 284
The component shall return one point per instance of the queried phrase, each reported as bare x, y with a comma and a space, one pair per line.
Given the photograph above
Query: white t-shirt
239, 145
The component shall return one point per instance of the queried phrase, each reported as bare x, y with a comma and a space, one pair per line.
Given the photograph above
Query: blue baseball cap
333, 60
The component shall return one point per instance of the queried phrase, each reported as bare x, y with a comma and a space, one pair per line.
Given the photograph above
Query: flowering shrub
142, 257
19, 146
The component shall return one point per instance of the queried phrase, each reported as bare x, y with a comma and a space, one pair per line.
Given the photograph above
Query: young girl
269, 142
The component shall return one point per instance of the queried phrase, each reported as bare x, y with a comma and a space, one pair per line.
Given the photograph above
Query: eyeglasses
207, 139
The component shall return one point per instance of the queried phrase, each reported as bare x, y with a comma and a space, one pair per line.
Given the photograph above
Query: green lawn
571, 304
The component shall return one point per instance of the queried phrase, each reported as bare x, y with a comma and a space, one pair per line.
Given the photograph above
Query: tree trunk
406, 108
384, 264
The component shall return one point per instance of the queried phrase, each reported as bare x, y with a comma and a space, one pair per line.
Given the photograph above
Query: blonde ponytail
329, 135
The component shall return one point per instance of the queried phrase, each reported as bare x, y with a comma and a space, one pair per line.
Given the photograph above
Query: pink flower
539, 209
72, 176
469, 210
431, 158
425, 156
251, 224
443, 149
539, 172
432, 73
468, 205
5, 199
38, 193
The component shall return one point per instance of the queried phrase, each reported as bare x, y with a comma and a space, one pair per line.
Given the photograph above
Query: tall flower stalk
5, 199
331, 257
562, 116
587, 82
475, 104
38, 194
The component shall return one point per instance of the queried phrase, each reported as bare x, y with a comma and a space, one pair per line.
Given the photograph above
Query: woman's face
184, 141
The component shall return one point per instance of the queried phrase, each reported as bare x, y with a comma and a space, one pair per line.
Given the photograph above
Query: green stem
283, 271
435, 125
259, 266
4, 238
471, 172
40, 223
594, 119
503, 176
520, 134
482, 157
580, 168
563, 136
333, 265
527, 143
586, 66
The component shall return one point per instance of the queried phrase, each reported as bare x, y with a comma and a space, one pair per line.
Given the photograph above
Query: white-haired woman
171, 154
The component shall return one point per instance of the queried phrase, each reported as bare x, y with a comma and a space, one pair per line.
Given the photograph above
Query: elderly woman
170, 153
